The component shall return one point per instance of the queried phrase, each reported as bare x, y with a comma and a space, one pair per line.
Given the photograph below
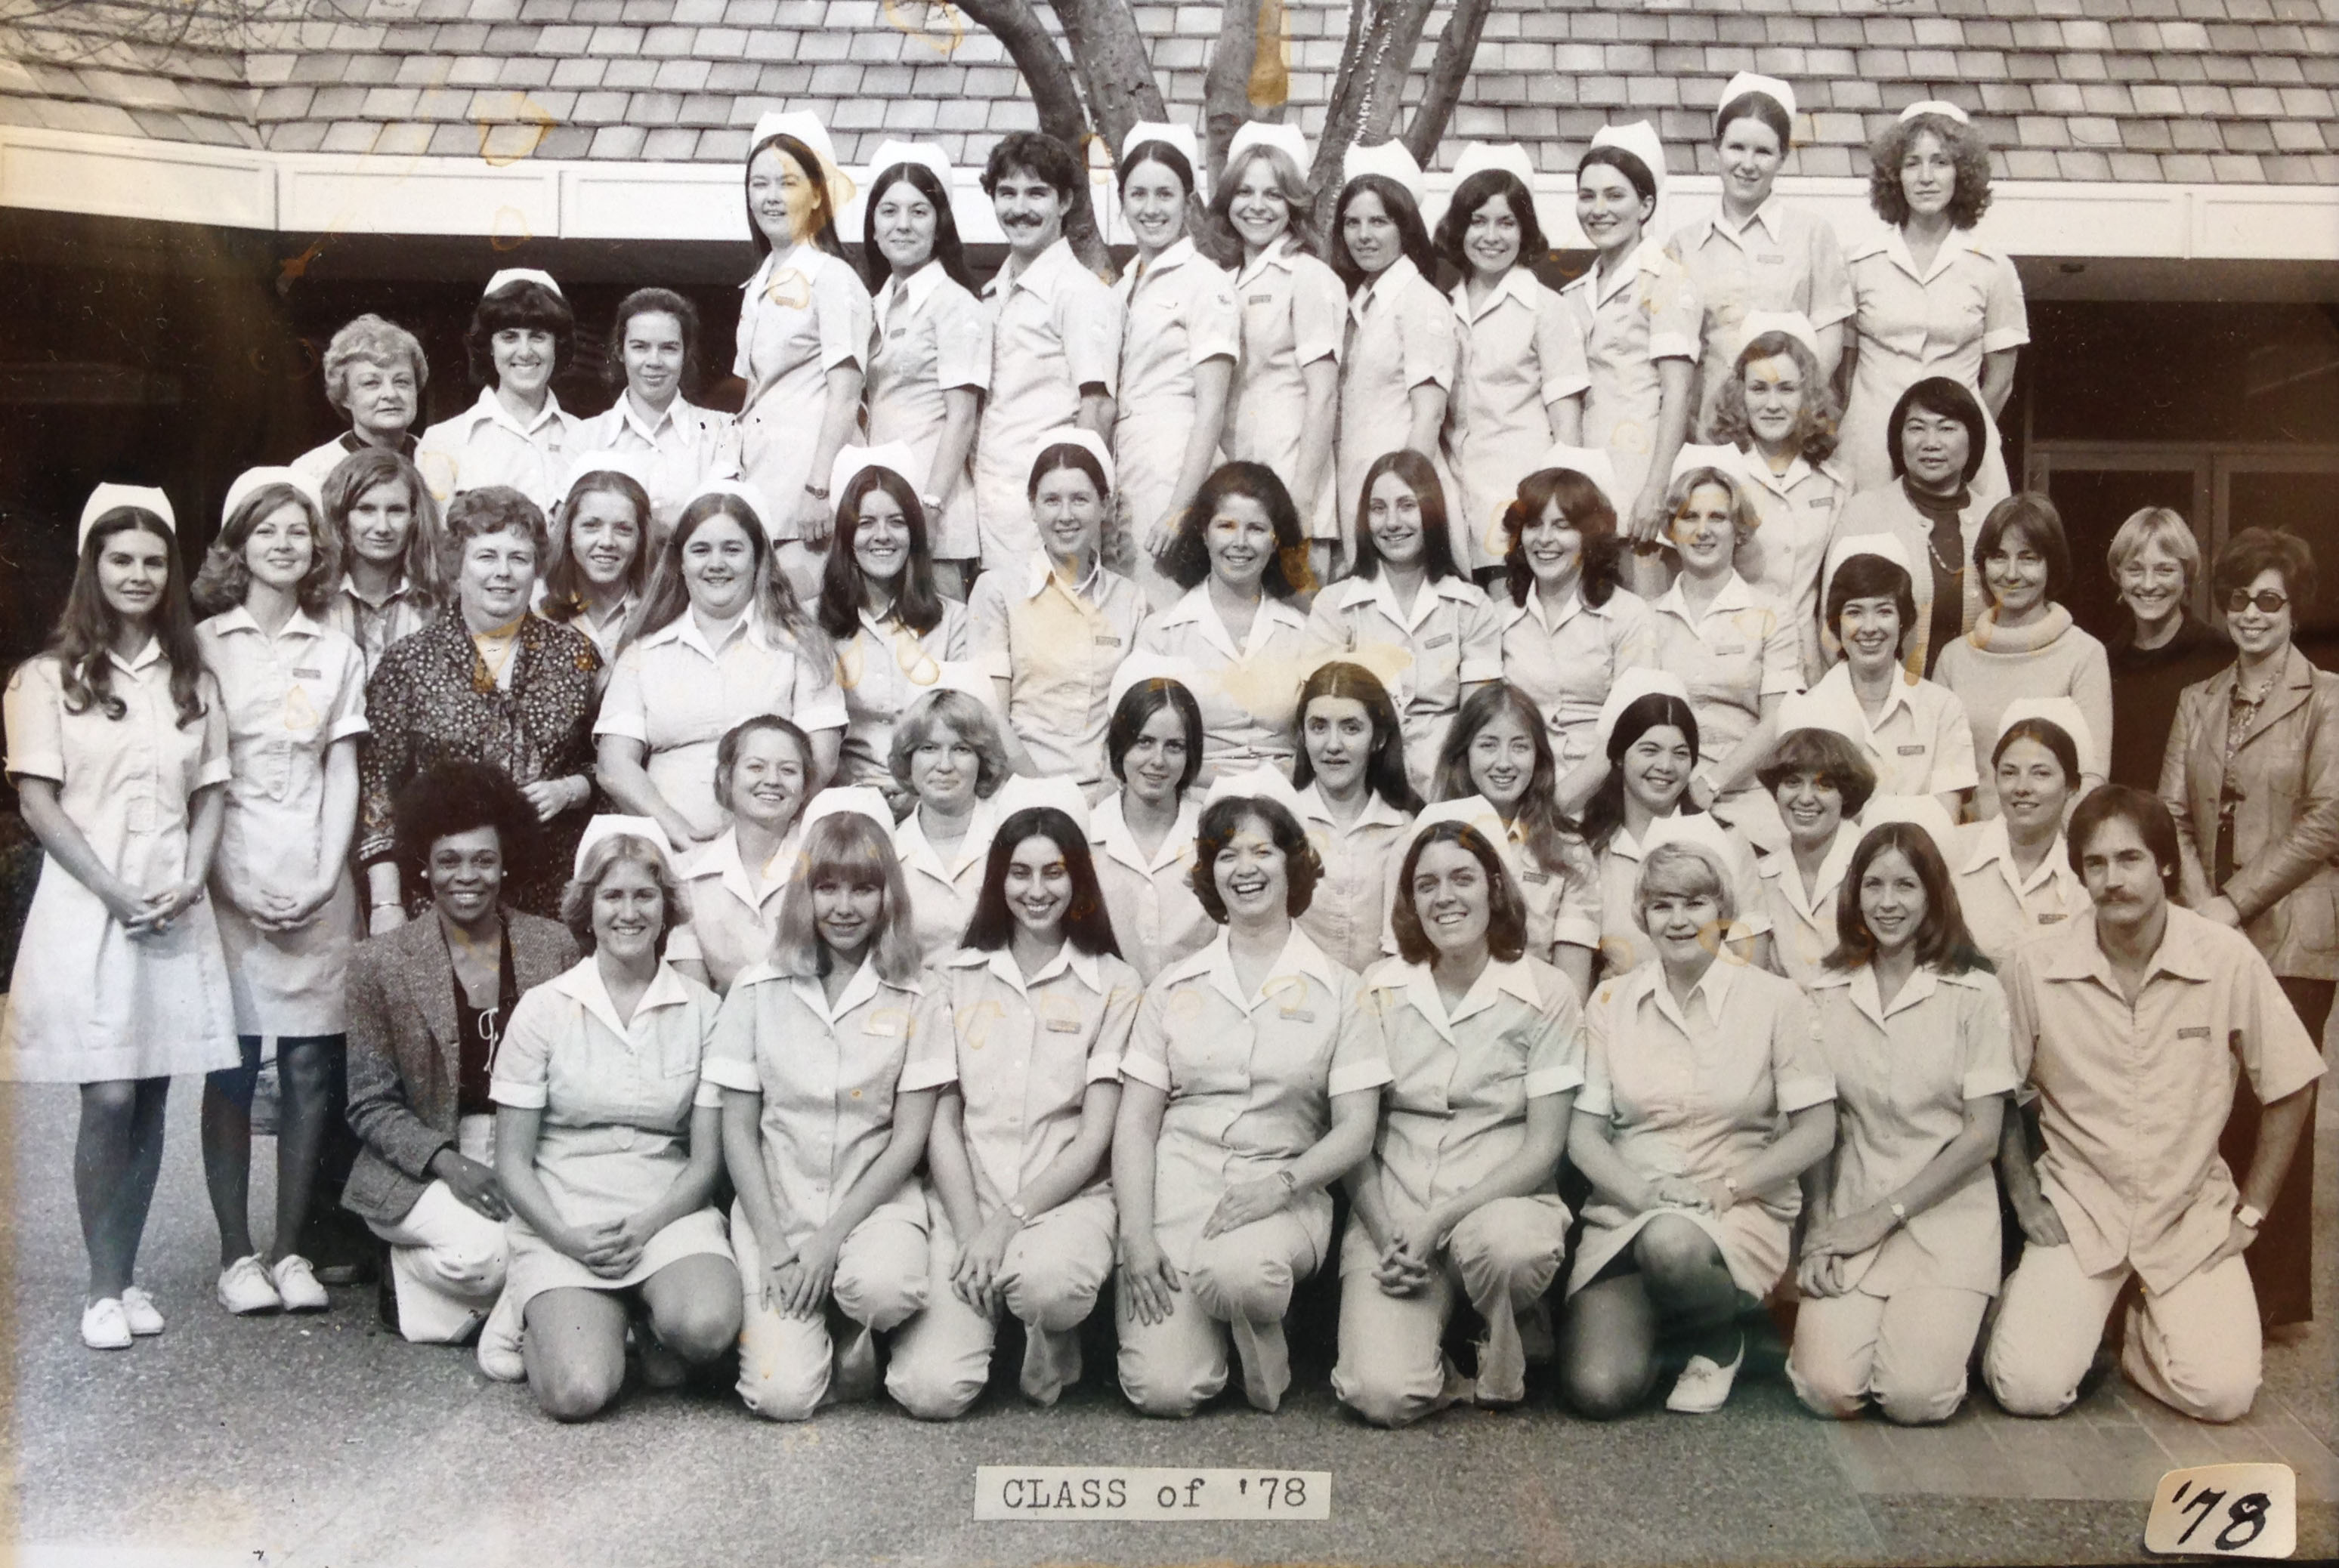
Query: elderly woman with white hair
1705, 1098
375, 374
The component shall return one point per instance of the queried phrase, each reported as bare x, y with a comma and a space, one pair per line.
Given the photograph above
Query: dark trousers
2282, 1259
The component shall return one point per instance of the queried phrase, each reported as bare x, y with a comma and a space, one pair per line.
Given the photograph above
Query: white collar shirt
1740, 649
1919, 743
1566, 664
734, 909
1802, 920
2004, 909
943, 887
487, 444
1349, 915
1057, 646
1156, 916
1249, 696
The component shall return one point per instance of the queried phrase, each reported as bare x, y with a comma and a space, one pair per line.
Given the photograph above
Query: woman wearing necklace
1912, 732
2252, 777
2015, 877
600, 550
489, 682
1821, 783
1356, 803
1936, 430
2026, 645
2162, 647
733, 885
1141, 836
522, 334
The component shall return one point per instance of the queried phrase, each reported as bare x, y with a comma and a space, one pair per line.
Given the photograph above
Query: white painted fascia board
129, 177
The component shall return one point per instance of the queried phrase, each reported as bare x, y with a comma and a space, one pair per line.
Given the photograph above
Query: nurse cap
894, 457
963, 677
1634, 683
1808, 711
1022, 793
1473, 811
1179, 136
1075, 436
1257, 784
1746, 81
929, 155
1946, 111
1592, 462
1144, 666
1287, 140
1389, 159
1639, 139
857, 799
1477, 158
803, 125
607, 827
1792, 324
1699, 831
109, 496
1888, 545
1691, 456
745, 490
253, 479
510, 275
2063, 714
1917, 810
976, 223
629, 463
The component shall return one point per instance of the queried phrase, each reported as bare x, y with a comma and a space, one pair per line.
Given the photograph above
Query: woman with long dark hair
1900, 1242
523, 333
1355, 802
390, 539
1143, 832
1021, 1207
118, 747
601, 549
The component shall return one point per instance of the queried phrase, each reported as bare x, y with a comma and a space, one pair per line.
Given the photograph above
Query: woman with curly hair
374, 374
522, 334
294, 696
1929, 299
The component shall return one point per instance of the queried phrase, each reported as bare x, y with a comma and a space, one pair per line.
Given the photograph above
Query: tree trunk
1249, 76
1383, 36
1455, 51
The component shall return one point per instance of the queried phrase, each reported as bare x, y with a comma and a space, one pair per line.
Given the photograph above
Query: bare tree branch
1056, 95
1457, 49
1249, 76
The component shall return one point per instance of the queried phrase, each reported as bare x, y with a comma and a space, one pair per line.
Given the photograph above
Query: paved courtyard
323, 1441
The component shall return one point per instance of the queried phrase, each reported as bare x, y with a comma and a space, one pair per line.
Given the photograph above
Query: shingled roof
2175, 90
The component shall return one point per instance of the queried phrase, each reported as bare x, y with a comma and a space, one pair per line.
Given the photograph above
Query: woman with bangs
949, 759
1912, 732
1251, 1084
522, 335
1900, 1244
1405, 612
375, 374
389, 542
762, 768
1777, 407
930, 362
489, 682
892, 631
1705, 1097
2014, 870
1496, 751
1283, 408
294, 692
1519, 389
608, 1144
1143, 832
1021, 1205
118, 747
1570, 626
2161, 647
1927, 298
1821, 783
1396, 369
1238, 632
1460, 1199
1357, 805
831, 1057
720, 637
652, 357
600, 552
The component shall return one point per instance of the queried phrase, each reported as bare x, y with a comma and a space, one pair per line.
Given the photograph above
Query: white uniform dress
1803, 919
1450, 640
616, 1098
682, 448
735, 908
2004, 909
1919, 744
936, 340
1347, 916
1055, 328
1522, 349
1566, 665
1294, 313
1795, 514
803, 314
1648, 310
1623, 945
1781, 259
1741, 650
1911, 323
486, 444
87, 1002
290, 699
882, 669
943, 887
1056, 647
1250, 696
1156, 916
1178, 314
1401, 335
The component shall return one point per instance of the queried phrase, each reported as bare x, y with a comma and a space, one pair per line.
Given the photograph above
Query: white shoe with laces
500, 1353
104, 1325
139, 1309
244, 1288
296, 1285
1703, 1387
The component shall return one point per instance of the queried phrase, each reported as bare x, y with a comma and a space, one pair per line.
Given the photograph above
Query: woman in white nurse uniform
522, 334
1143, 834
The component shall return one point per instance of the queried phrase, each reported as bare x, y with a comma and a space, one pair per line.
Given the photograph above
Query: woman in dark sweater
2162, 648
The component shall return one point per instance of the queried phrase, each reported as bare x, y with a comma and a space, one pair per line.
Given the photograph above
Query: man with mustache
2130, 1027
1055, 342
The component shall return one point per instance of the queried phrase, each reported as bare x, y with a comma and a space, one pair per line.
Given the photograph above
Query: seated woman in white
1022, 1210
1821, 783
1704, 1099
2014, 873
1460, 1201
1900, 1248
1357, 806
1143, 834
733, 885
608, 1143
1912, 731
830, 1058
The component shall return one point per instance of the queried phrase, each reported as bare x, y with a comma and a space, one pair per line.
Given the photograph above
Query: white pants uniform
1392, 1371
2196, 1346
1907, 1352
1049, 1280
1238, 1279
791, 1366
446, 1259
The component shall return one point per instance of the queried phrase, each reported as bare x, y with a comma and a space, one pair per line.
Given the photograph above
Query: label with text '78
1074, 1492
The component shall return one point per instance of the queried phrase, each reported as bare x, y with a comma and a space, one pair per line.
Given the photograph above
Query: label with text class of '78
2225, 1511
1074, 1492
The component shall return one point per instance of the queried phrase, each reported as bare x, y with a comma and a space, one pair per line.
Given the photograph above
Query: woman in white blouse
949, 758
1357, 805
1821, 783
733, 885
1143, 832
2014, 872
600, 549
522, 334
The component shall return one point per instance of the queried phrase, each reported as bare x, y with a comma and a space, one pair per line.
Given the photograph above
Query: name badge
2194, 1032
1259, 299
1063, 1026
1106, 641
1916, 751
899, 332
1535, 876
1299, 1015
1771, 260
884, 1027
1816, 503
1729, 650
1439, 641
302, 674
2050, 919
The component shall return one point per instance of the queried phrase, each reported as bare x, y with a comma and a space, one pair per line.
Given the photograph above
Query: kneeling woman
1691, 1131
1042, 1004
1251, 1085
1900, 1249
1461, 1198
830, 1056
608, 1141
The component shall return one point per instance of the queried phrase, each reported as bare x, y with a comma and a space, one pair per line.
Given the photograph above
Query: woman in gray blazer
425, 1008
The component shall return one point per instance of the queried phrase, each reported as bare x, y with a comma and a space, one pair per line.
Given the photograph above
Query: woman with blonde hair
2162, 647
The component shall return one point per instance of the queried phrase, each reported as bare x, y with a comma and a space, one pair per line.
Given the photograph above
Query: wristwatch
1022, 1215
1290, 1183
817, 492
1900, 1212
2249, 1216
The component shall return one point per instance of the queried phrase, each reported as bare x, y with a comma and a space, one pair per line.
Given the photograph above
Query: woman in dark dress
2163, 647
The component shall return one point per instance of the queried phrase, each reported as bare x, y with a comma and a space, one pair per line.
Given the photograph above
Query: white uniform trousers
1049, 1280
446, 1259
1908, 1352
791, 1366
2195, 1348
1239, 1282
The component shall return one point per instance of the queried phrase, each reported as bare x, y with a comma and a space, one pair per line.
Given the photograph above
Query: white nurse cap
1075, 436
604, 461
855, 799
2063, 714
1935, 106
1022, 793
1477, 158
929, 155
1639, 139
110, 497
1789, 323
1888, 545
1179, 136
1809, 711
1692, 457
745, 491
803, 125
1632, 683
1145, 667
1389, 159
1257, 784
511, 275
894, 457
1921, 811
607, 827
1287, 140
1746, 81
1592, 462
1472, 810
254, 480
